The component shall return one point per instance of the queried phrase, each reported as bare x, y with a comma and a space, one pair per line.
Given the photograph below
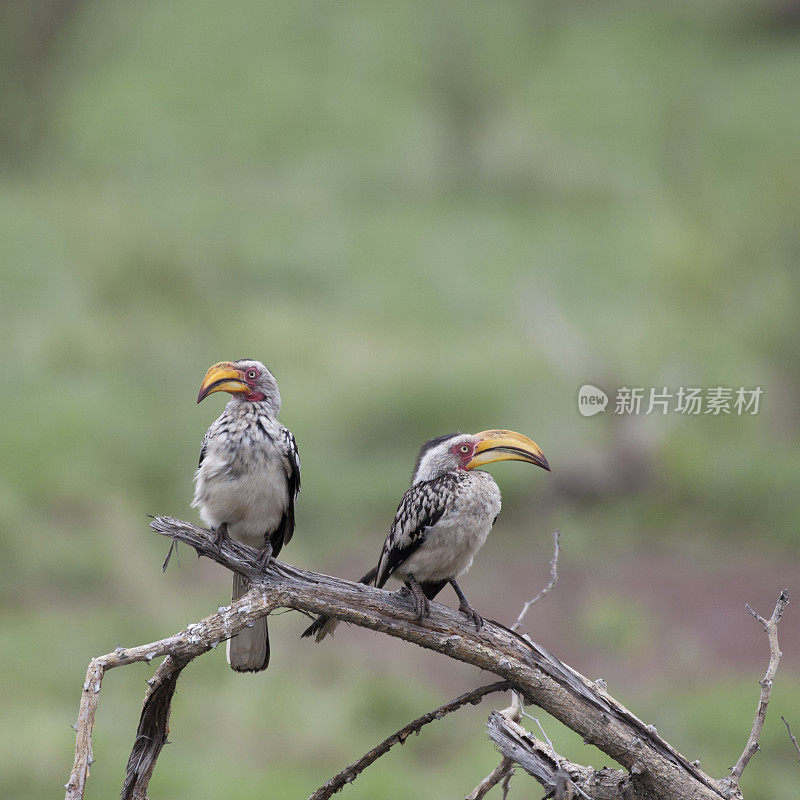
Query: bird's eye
251, 374
465, 448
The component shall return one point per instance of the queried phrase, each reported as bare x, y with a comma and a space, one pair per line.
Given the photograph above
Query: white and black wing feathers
283, 533
421, 507
204, 446
293, 456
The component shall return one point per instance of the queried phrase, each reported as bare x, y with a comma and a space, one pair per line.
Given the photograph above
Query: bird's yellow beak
222, 377
500, 445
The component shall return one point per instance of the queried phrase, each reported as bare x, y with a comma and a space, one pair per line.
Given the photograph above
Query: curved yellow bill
502, 445
222, 377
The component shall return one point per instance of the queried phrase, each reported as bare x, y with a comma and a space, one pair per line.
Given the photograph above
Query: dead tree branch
791, 735
151, 735
553, 771
350, 773
771, 627
657, 770
502, 772
553, 578
181, 649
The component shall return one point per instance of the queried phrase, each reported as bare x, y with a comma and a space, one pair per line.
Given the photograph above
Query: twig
350, 773
501, 773
553, 578
791, 735
771, 627
506, 783
658, 770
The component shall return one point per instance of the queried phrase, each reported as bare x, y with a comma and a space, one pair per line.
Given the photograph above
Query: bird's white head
247, 381
465, 451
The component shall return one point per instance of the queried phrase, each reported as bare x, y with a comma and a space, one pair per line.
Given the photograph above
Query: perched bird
444, 518
247, 481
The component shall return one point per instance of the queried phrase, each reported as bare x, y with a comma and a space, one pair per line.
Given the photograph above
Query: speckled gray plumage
439, 526
248, 478
249, 475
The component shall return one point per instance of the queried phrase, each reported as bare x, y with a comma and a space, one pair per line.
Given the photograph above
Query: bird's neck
425, 476
262, 405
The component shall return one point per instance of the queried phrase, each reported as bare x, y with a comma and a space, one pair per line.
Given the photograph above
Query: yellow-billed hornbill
247, 481
444, 518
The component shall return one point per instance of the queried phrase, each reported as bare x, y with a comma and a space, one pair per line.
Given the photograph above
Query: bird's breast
451, 544
242, 482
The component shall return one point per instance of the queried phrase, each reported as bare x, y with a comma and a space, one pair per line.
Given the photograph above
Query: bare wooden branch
350, 773
771, 627
506, 783
76, 784
791, 735
502, 772
657, 770
151, 735
553, 771
553, 578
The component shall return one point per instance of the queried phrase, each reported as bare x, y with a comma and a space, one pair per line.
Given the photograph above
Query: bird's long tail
324, 625
248, 651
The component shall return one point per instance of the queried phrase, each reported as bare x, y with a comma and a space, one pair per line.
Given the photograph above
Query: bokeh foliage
423, 217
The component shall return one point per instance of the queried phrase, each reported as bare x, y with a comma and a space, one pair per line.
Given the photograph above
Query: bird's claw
220, 535
471, 613
422, 607
265, 556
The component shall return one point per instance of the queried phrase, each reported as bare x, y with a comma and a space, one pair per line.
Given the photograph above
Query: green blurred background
423, 218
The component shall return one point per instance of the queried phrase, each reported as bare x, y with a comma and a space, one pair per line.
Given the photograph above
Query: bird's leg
265, 555
221, 532
423, 606
464, 607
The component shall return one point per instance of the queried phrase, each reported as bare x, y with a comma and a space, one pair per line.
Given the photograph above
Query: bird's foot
265, 556
471, 613
221, 535
422, 605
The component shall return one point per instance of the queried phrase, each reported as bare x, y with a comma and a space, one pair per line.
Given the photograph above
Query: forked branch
656, 770
771, 628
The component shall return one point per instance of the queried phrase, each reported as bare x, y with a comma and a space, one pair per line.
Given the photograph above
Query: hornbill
444, 518
247, 481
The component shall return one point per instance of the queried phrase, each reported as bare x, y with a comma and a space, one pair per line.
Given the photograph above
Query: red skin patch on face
462, 456
254, 397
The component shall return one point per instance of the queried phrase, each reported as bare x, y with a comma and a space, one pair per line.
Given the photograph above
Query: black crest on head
431, 443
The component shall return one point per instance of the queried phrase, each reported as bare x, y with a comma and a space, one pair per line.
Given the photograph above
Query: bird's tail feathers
248, 651
326, 626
